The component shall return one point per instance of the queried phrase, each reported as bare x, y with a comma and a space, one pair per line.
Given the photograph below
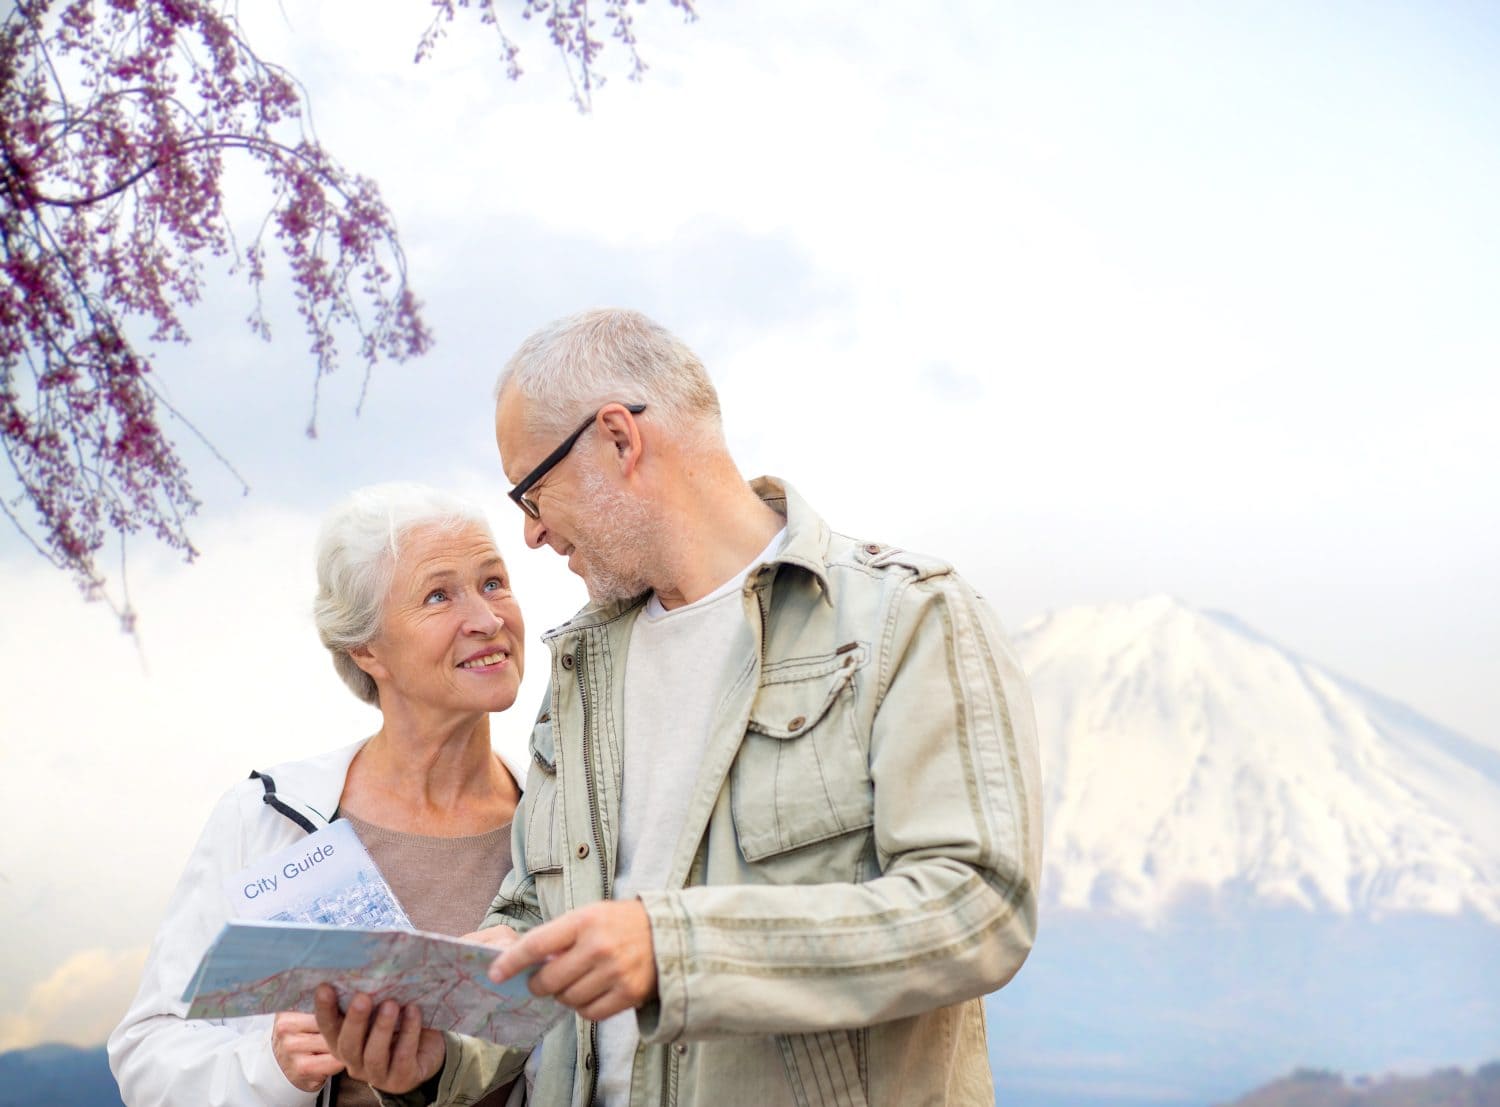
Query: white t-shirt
672, 697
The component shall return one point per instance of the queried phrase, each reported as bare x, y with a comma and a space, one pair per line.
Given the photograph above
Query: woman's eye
494, 584
437, 595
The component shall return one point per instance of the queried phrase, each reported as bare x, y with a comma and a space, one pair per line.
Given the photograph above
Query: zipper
596, 830
669, 1079
762, 601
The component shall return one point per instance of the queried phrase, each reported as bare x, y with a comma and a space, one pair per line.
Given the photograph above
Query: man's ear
619, 428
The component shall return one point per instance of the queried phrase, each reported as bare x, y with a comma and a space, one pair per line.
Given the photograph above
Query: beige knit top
445, 884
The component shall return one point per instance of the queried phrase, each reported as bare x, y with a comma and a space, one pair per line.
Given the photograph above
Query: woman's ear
365, 658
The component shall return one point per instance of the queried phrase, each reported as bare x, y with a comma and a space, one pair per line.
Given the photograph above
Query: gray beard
618, 540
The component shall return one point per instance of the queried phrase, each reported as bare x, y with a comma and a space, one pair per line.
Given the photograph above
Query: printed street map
256, 967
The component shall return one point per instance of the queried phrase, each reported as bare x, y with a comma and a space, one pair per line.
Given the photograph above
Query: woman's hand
301, 1050
501, 937
388, 1048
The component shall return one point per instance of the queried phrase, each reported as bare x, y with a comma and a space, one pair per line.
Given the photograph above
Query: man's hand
375, 1050
598, 959
301, 1051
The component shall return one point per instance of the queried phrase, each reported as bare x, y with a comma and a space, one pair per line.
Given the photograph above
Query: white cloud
79, 1003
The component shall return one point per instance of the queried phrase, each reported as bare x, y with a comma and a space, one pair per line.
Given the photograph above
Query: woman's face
452, 638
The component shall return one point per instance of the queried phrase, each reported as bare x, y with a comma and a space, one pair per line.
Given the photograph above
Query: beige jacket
860, 858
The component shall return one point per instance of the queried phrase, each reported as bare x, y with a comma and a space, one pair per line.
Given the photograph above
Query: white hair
574, 366
358, 547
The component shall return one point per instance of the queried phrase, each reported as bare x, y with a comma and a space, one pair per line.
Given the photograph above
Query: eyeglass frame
551, 461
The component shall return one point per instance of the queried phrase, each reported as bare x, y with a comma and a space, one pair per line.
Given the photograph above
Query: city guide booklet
321, 912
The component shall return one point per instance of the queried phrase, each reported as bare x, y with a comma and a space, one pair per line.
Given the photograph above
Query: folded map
256, 967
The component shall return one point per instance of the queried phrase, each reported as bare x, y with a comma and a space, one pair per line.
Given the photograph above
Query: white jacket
162, 1059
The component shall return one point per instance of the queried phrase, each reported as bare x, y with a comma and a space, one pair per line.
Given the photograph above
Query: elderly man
782, 826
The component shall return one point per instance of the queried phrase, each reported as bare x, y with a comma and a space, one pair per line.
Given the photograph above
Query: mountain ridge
1185, 751
1448, 1087
53, 1073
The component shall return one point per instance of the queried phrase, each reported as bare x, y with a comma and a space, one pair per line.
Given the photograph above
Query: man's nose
535, 531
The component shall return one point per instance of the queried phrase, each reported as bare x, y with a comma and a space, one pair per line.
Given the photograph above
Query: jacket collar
806, 534
316, 782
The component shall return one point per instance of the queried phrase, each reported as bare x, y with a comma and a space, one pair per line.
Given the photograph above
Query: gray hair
576, 365
358, 547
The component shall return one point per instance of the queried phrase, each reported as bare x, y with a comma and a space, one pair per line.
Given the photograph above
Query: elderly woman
414, 604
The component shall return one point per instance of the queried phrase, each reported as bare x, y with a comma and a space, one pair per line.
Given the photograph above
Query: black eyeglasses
518, 493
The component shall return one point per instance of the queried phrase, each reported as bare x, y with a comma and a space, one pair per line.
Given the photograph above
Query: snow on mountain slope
1183, 752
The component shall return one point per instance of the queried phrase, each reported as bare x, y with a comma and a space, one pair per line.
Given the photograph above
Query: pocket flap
541, 842
795, 695
802, 773
543, 744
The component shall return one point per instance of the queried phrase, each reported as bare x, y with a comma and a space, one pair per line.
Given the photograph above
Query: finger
326, 1014
404, 1057
562, 973
499, 937
352, 1044
299, 1022
612, 1002
536, 946
586, 991
320, 1065
378, 1045
305, 1043
432, 1051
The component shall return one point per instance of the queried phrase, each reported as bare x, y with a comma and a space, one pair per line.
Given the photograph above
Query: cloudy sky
1096, 300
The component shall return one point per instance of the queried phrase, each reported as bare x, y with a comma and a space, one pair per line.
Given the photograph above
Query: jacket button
583, 850
679, 1048
567, 661
872, 548
796, 724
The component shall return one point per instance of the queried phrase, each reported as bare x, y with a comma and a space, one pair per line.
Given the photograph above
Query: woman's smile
486, 662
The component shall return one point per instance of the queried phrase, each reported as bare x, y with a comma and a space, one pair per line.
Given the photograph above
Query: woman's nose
482, 619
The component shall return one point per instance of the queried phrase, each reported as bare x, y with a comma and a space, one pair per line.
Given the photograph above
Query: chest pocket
543, 824
802, 774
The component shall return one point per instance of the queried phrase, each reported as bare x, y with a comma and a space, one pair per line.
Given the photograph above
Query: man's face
586, 515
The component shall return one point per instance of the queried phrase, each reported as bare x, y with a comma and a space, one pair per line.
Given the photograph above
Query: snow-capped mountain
1183, 752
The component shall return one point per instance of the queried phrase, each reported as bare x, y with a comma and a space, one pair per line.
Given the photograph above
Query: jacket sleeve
957, 833
159, 1057
472, 1069
517, 905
